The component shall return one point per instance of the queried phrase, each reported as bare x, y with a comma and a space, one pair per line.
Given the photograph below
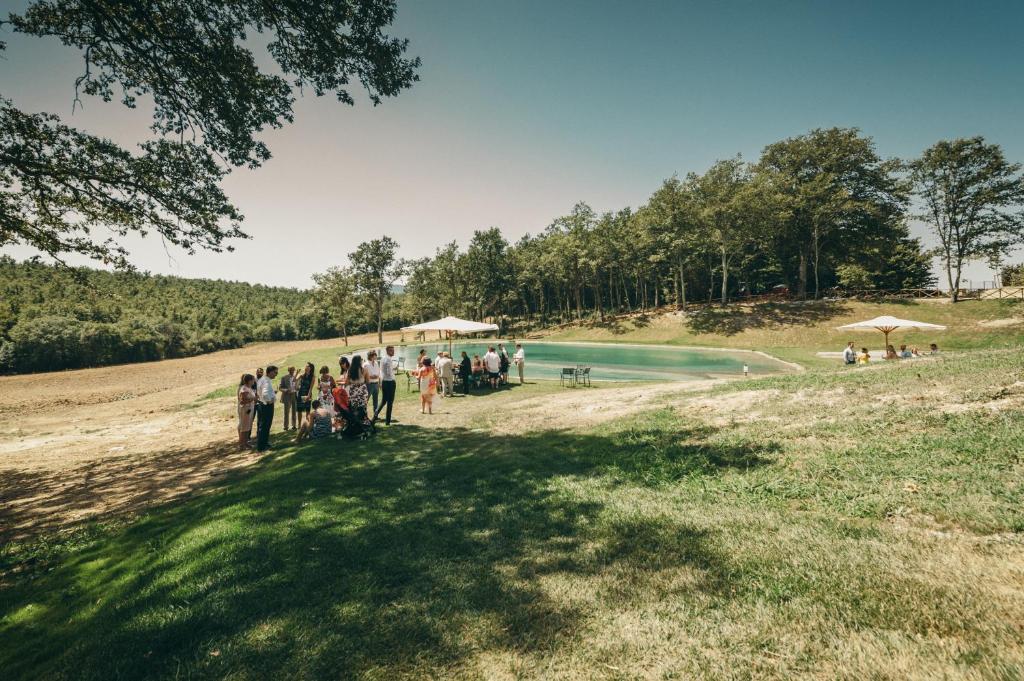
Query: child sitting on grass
317, 423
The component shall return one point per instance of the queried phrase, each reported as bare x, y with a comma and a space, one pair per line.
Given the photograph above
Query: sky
526, 107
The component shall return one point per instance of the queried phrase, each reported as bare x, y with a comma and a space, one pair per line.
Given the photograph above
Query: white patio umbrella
887, 325
452, 325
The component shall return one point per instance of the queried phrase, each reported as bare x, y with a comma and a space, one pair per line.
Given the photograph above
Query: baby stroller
358, 425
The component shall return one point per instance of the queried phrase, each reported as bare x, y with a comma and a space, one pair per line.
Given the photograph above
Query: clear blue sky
525, 108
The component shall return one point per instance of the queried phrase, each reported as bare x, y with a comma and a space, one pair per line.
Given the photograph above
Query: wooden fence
1002, 292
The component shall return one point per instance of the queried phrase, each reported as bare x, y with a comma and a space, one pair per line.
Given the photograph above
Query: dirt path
584, 408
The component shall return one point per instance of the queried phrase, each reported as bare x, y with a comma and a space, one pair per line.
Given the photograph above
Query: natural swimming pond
610, 362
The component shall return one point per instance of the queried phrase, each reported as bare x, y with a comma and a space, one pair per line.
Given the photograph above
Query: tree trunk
675, 286
682, 286
344, 332
954, 280
802, 289
817, 253
725, 277
380, 321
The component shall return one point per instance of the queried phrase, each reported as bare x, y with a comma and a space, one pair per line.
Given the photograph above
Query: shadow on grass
38, 501
401, 556
733, 319
622, 324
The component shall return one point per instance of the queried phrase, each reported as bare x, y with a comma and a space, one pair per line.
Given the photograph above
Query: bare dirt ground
75, 444
588, 408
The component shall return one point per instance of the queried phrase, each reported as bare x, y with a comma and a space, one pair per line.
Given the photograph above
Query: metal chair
583, 376
568, 374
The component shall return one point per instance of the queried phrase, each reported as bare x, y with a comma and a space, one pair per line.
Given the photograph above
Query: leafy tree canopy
375, 270
974, 201
65, 191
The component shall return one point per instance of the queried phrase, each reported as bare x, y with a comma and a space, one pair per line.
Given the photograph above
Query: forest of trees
58, 318
815, 212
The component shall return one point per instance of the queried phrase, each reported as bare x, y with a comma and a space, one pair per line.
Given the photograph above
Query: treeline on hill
816, 211
55, 318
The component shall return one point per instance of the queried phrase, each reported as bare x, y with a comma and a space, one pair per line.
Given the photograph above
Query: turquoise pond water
616, 362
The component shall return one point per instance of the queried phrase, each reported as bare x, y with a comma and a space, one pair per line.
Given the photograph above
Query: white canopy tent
452, 325
887, 325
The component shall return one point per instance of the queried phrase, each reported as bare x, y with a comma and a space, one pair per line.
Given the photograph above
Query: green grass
218, 394
861, 523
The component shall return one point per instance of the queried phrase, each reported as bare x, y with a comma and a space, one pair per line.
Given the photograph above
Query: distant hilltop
58, 318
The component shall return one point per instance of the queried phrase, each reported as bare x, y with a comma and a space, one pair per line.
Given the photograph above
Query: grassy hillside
797, 330
860, 523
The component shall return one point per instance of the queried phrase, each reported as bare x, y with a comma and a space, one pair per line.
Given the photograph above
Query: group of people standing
317, 404
255, 394
437, 376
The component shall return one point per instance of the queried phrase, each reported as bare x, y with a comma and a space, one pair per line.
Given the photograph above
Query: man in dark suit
387, 385
466, 371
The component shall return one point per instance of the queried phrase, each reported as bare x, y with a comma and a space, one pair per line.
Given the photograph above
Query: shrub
1012, 275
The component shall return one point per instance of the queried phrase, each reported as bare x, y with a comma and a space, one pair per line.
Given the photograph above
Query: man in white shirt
849, 354
492, 365
372, 366
445, 374
520, 359
265, 398
387, 384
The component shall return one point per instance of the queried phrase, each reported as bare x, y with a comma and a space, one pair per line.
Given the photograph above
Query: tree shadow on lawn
34, 502
733, 319
400, 556
621, 324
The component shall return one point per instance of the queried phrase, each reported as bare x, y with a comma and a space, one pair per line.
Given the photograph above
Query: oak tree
64, 191
974, 202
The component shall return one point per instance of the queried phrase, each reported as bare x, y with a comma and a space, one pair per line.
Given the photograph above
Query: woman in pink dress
246, 408
427, 377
